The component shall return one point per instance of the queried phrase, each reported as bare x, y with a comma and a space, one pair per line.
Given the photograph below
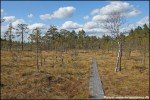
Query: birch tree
113, 24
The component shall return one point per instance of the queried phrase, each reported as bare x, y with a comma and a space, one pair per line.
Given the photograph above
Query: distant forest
137, 39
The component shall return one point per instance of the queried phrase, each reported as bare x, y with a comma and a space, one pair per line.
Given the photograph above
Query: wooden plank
95, 85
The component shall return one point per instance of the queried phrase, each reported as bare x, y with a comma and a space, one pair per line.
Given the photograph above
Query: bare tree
22, 29
113, 24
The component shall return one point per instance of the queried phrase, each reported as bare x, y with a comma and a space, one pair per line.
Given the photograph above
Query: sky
72, 15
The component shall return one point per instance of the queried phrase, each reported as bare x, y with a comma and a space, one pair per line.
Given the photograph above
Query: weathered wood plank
95, 82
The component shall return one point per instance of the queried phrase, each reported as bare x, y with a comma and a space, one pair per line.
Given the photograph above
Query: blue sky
21, 10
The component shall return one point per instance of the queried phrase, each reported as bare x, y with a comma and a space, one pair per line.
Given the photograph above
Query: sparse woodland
64, 40
56, 63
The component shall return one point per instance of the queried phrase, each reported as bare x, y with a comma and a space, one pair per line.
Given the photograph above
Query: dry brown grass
133, 80
19, 78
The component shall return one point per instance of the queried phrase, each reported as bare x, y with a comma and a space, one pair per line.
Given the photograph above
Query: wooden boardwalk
95, 85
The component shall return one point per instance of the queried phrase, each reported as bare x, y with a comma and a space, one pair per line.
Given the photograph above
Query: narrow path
95, 84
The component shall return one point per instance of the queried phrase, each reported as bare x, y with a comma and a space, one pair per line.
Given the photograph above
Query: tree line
137, 39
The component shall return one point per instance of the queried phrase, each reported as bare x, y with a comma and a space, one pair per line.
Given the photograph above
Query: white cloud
133, 13
95, 11
101, 14
143, 21
124, 8
62, 12
95, 31
71, 25
45, 16
92, 28
35, 25
17, 21
14, 22
30, 16
4, 28
9, 18
99, 18
86, 17
90, 25
116, 6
